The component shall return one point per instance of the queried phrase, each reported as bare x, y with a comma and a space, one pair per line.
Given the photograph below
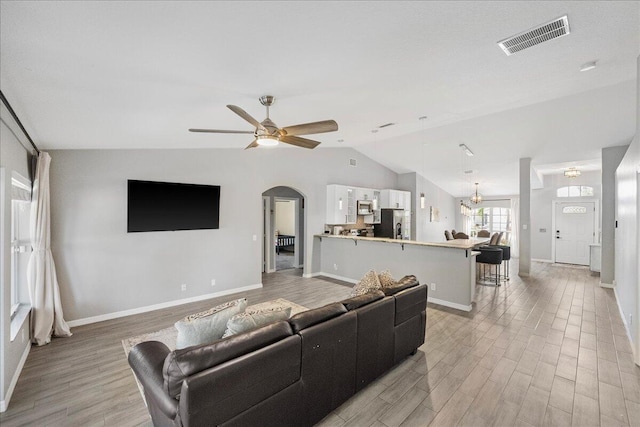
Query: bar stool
506, 256
492, 256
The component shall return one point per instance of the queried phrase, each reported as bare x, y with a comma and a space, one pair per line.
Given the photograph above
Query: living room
106, 273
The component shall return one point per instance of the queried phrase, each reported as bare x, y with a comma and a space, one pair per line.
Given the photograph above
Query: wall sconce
421, 200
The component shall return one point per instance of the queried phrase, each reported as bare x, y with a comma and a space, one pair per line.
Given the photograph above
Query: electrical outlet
183, 287
335, 266
213, 282
433, 286
255, 237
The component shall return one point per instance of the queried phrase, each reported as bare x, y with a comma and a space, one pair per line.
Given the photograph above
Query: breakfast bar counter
448, 268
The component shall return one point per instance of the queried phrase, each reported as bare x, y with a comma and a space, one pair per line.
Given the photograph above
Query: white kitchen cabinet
395, 199
341, 204
364, 193
376, 211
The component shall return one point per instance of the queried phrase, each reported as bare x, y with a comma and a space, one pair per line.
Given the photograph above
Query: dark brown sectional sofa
288, 373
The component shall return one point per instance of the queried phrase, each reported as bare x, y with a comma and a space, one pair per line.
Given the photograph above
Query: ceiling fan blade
239, 111
252, 145
221, 131
299, 142
311, 128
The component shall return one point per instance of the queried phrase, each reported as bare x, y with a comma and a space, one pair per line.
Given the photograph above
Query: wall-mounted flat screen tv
169, 206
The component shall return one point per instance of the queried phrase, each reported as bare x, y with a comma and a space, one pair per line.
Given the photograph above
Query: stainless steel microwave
365, 207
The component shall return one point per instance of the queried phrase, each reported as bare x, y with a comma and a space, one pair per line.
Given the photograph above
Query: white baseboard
4, 404
335, 276
549, 261
117, 314
626, 325
608, 286
449, 304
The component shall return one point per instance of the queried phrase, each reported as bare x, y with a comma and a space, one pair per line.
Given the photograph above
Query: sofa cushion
181, 364
253, 319
207, 326
402, 284
311, 317
368, 283
361, 300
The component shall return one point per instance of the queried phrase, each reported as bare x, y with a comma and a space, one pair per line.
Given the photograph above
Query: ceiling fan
267, 133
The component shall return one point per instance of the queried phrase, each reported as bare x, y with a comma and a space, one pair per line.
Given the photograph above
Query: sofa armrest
147, 359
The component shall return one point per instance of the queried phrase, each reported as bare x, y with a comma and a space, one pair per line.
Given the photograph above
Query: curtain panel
46, 308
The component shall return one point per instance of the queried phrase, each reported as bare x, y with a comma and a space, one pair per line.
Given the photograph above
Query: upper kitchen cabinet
395, 199
341, 204
364, 193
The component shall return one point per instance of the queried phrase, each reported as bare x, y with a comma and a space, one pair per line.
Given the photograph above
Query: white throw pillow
254, 319
368, 283
207, 326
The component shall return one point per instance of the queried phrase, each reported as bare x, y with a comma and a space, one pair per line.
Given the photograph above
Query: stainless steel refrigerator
394, 224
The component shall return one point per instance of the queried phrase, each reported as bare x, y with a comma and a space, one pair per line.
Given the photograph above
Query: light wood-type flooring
540, 351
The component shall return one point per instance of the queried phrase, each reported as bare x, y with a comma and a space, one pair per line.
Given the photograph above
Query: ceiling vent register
549, 31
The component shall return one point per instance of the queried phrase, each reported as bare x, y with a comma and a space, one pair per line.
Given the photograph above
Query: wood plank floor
542, 351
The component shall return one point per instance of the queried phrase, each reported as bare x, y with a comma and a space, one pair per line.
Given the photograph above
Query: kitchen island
448, 268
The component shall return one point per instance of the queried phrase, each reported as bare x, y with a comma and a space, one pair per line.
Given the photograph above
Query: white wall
285, 217
611, 158
103, 270
13, 157
627, 256
422, 229
627, 235
542, 209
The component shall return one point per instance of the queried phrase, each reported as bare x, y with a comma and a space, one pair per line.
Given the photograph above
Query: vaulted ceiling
139, 74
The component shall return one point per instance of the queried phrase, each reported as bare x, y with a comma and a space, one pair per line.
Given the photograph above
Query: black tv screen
168, 206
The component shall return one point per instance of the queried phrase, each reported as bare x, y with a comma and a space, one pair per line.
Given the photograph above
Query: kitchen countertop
456, 244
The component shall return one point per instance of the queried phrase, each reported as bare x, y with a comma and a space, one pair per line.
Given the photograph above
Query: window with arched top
575, 191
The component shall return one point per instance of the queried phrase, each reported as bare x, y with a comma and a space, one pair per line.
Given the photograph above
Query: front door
575, 230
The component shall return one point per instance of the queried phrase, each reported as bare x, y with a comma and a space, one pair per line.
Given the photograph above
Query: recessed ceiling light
422, 118
469, 171
374, 131
588, 66
341, 140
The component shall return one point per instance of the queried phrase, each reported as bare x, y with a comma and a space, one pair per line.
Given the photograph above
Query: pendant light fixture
476, 197
572, 173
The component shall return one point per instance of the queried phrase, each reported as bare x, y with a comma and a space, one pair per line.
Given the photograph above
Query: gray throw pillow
250, 320
207, 326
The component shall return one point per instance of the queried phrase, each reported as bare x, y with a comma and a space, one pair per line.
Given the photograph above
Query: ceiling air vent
353, 162
551, 30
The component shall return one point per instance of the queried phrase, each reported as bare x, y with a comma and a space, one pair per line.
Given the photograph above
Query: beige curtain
46, 308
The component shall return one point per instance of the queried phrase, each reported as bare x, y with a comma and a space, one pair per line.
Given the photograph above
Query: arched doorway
283, 243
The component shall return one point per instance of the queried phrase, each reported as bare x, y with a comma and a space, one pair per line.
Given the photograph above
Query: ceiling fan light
267, 140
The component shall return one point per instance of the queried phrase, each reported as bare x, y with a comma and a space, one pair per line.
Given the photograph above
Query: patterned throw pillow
207, 326
250, 320
368, 283
385, 279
